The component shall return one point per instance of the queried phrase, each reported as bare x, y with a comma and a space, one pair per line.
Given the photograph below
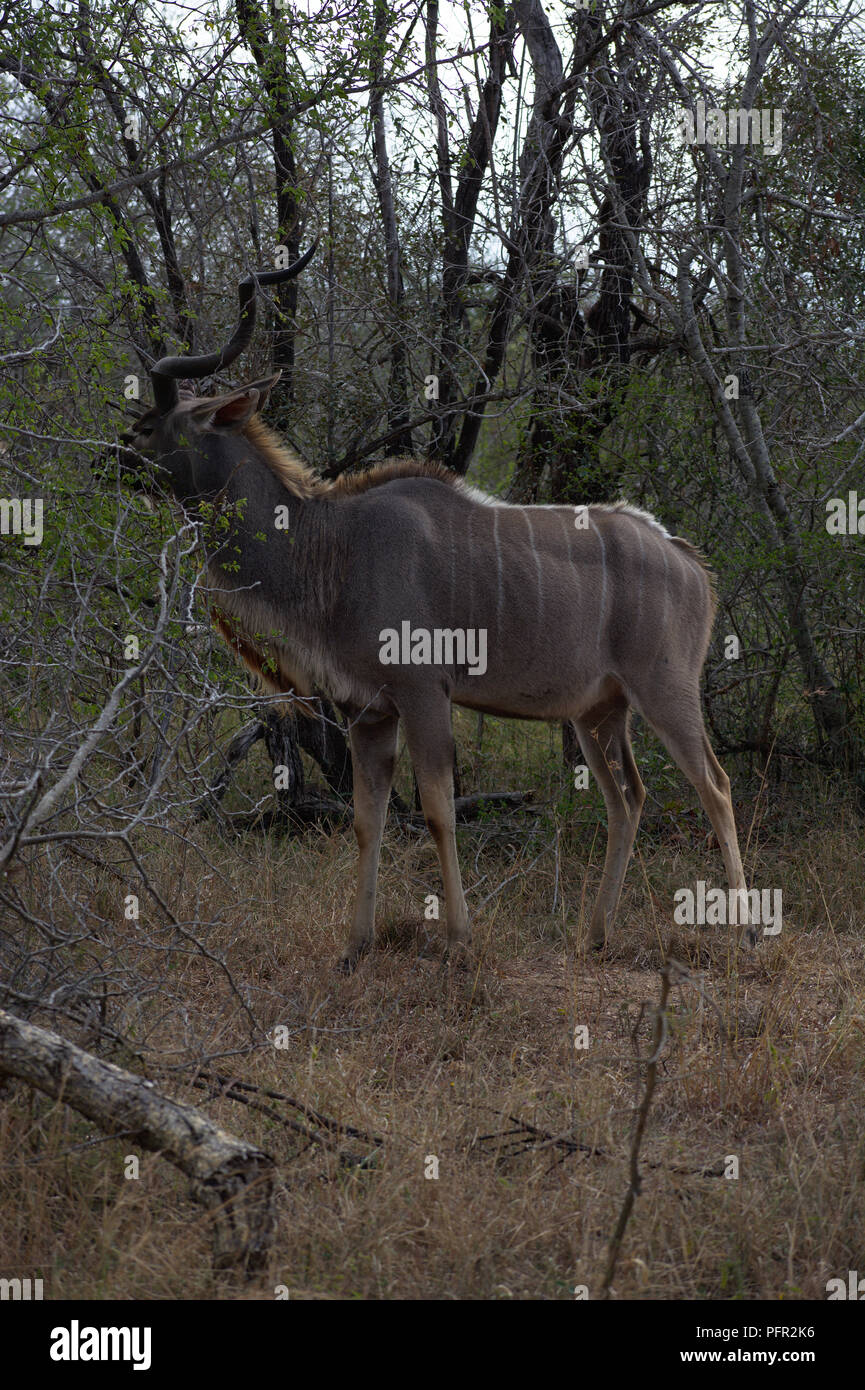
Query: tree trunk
539, 168
459, 210
397, 391
579, 359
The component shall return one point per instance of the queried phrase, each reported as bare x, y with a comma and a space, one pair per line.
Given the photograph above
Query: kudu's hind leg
373, 757
606, 745
678, 722
431, 748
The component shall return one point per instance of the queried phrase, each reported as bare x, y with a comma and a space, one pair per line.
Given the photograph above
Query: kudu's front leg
373, 757
431, 747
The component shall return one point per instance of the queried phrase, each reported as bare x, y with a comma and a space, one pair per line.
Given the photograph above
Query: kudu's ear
231, 411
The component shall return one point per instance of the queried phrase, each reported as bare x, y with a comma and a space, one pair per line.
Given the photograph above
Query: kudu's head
190, 444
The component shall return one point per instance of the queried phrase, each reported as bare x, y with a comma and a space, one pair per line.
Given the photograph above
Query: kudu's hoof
352, 959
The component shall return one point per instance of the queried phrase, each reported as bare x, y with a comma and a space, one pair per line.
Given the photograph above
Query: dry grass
765, 1062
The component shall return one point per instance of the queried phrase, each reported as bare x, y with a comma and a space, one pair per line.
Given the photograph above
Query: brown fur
302, 481
348, 484
291, 471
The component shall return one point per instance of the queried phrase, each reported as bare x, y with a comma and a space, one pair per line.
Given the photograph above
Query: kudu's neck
265, 543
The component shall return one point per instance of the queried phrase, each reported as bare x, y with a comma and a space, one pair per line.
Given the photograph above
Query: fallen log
234, 1180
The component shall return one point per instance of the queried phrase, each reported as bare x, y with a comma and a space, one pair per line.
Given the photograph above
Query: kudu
372, 591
